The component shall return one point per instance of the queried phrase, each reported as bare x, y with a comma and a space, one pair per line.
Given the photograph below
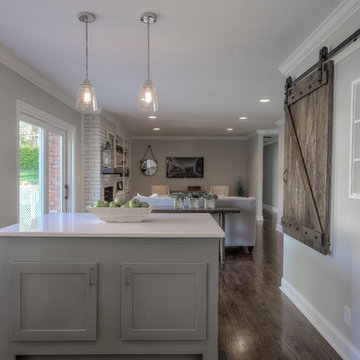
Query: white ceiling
212, 60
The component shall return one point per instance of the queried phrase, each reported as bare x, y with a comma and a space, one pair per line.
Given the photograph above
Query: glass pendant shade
147, 100
86, 97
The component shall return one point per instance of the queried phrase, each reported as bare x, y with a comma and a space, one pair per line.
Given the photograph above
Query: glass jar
178, 203
194, 203
209, 204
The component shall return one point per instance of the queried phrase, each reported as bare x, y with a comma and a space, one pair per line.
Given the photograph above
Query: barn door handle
284, 175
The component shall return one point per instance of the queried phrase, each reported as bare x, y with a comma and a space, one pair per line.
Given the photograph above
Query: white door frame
51, 122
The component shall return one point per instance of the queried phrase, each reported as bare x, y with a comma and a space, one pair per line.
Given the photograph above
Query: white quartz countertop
88, 225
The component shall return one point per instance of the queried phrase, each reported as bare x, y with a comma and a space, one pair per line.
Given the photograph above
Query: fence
30, 206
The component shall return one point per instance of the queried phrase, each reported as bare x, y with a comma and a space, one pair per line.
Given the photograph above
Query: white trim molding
333, 336
279, 228
342, 13
259, 218
270, 208
135, 137
14, 64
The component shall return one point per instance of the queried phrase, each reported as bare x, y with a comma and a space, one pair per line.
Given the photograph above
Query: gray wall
13, 87
252, 165
270, 175
225, 161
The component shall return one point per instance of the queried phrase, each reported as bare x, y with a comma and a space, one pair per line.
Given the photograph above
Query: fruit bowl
119, 214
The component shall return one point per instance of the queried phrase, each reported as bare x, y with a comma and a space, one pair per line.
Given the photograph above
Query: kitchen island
74, 287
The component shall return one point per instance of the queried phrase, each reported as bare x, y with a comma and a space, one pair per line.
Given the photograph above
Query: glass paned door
42, 169
56, 170
30, 171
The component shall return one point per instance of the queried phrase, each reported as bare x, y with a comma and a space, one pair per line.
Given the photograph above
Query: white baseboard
332, 335
279, 228
259, 218
270, 208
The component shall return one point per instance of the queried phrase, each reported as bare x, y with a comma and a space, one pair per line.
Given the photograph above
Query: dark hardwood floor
257, 321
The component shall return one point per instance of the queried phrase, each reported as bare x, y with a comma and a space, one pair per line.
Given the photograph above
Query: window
355, 142
45, 167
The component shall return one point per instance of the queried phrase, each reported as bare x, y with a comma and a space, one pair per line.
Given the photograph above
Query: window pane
357, 102
55, 172
357, 140
356, 180
29, 165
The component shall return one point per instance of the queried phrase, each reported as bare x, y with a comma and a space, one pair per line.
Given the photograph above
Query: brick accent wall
95, 129
54, 172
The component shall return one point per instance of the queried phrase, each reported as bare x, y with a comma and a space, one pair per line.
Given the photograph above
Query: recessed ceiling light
264, 100
152, 117
229, 129
156, 129
242, 117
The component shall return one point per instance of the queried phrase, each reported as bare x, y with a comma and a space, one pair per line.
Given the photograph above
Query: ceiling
211, 60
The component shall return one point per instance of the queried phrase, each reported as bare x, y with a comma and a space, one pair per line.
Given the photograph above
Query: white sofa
240, 229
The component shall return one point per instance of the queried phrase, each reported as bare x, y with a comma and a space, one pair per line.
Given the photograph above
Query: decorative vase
194, 203
178, 203
209, 204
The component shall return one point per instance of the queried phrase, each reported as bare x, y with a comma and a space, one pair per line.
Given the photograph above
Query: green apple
134, 202
106, 203
119, 201
100, 203
113, 204
125, 206
144, 204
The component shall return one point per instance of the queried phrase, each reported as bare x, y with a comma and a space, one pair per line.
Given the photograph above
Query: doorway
44, 167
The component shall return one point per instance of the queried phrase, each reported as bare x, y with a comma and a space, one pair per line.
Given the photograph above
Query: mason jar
209, 204
194, 203
178, 203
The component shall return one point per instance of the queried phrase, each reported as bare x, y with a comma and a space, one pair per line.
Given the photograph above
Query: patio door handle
66, 191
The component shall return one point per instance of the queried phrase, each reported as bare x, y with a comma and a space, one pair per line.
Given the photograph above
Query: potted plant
179, 198
209, 200
193, 200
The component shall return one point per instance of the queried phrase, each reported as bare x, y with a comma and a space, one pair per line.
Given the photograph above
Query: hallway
257, 321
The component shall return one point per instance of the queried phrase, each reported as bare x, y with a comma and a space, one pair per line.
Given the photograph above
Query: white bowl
118, 214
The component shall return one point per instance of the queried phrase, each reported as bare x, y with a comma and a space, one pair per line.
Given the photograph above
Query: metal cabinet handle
128, 277
91, 277
285, 175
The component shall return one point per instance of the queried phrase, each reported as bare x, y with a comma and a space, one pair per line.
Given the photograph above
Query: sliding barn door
308, 149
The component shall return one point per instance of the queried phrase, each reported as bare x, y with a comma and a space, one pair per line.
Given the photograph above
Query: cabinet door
163, 301
53, 301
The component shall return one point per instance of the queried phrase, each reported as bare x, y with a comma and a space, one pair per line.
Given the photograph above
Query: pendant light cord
148, 52
87, 52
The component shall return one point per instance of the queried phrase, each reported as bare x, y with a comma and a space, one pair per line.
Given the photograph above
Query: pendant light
86, 95
147, 100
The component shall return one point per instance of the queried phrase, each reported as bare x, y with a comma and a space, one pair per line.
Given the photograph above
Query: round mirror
148, 167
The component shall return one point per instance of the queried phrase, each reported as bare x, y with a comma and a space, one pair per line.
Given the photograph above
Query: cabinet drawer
53, 301
164, 301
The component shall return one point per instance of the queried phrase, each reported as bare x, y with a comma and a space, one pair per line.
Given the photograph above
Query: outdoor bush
29, 157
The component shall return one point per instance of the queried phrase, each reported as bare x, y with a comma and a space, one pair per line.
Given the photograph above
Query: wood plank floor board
257, 321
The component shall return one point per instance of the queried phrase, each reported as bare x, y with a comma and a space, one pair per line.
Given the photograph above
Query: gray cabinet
53, 301
164, 301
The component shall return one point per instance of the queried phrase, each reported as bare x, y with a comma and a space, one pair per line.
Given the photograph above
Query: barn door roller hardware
296, 90
328, 55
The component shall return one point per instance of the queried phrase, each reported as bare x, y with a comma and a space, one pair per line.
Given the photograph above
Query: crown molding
260, 132
343, 12
14, 64
135, 137
273, 141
